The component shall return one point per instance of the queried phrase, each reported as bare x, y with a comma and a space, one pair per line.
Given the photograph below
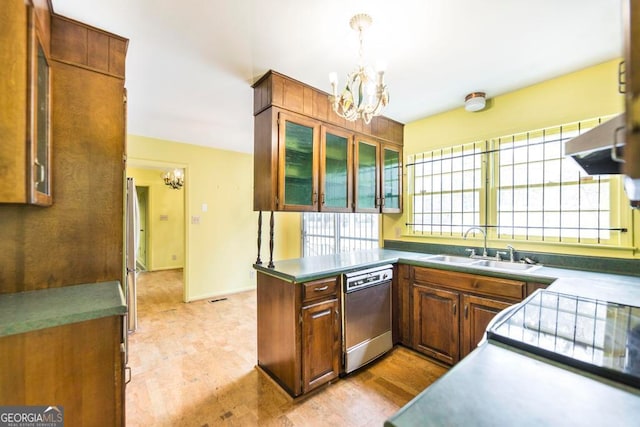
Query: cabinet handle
614, 149
383, 202
324, 288
323, 199
40, 177
466, 311
315, 197
455, 309
127, 369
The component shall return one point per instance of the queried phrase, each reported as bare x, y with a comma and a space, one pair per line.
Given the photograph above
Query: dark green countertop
317, 267
29, 311
499, 386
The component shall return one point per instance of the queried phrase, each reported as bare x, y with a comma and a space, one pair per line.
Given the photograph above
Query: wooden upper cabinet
391, 175
367, 176
82, 45
298, 163
348, 155
336, 180
631, 166
25, 104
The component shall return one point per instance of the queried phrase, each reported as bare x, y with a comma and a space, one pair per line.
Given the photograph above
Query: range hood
596, 152
600, 152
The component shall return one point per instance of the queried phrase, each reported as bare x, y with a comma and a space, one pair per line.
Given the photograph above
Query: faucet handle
472, 252
498, 253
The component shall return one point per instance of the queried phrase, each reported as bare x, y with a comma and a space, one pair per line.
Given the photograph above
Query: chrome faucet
484, 234
511, 249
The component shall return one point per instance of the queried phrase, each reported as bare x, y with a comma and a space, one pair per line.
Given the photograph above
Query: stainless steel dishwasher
366, 315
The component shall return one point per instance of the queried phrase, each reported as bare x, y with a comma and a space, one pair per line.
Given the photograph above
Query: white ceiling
191, 63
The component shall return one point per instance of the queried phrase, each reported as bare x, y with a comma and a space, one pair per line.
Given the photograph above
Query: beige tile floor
194, 365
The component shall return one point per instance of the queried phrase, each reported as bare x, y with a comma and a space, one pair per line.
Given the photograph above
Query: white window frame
325, 233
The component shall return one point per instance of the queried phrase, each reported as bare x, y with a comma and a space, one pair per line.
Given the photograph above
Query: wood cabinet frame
276, 94
385, 208
38, 172
287, 313
284, 117
323, 167
356, 158
472, 300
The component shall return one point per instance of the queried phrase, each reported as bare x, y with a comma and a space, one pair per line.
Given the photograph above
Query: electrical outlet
174, 257
195, 220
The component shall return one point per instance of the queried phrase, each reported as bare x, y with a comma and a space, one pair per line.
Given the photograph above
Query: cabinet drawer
484, 285
319, 289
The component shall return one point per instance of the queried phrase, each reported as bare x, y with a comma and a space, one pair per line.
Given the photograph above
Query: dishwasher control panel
369, 277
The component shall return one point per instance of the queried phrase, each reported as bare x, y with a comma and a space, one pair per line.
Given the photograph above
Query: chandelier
364, 94
174, 178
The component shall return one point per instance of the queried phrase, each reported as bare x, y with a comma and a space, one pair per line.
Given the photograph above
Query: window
330, 233
520, 187
446, 189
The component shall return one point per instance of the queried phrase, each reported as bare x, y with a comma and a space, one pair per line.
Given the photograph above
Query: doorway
143, 208
163, 220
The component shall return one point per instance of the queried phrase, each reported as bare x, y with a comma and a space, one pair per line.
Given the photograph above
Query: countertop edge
53, 307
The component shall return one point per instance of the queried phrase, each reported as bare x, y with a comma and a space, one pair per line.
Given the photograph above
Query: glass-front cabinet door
335, 170
298, 169
391, 179
366, 176
40, 126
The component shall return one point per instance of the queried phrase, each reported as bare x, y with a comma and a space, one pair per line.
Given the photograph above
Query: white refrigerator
132, 238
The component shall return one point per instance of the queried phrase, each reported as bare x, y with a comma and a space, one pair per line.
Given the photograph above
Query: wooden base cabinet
477, 312
436, 324
77, 366
450, 310
321, 346
299, 332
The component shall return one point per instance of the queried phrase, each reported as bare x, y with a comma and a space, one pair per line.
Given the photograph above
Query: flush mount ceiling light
174, 178
365, 94
475, 101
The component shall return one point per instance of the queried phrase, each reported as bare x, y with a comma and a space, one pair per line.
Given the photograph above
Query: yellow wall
588, 93
220, 251
165, 237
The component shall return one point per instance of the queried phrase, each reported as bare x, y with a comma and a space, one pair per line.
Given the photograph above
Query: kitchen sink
504, 265
482, 263
450, 258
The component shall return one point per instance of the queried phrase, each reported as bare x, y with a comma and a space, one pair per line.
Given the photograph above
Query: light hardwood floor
194, 365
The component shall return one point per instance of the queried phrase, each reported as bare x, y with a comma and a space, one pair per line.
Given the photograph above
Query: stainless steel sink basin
450, 258
482, 263
503, 265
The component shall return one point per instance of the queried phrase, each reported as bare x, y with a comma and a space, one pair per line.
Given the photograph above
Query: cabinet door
477, 313
298, 140
391, 179
436, 323
40, 126
367, 176
321, 344
335, 170
631, 22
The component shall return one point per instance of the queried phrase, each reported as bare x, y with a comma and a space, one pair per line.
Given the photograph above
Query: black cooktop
596, 336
